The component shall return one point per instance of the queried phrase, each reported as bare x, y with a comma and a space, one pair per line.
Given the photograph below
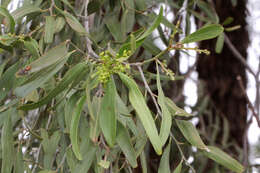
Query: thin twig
250, 105
86, 25
238, 55
149, 90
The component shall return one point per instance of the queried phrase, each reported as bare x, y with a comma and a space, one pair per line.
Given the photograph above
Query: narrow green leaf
49, 29
11, 23
59, 24
143, 162
7, 80
204, 33
164, 166
175, 110
124, 141
49, 58
140, 40
166, 116
93, 6
107, 119
138, 102
220, 43
89, 155
224, 159
178, 168
228, 21
24, 10
7, 145
191, 134
50, 145
2, 66
69, 107
19, 162
47, 171
122, 108
33, 47
71, 75
133, 43
208, 10
74, 127
39, 78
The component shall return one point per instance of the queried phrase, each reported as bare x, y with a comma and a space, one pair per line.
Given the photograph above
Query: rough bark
219, 72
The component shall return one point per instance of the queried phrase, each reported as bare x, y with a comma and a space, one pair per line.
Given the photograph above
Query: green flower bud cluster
111, 64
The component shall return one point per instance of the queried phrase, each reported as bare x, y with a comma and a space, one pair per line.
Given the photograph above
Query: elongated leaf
19, 163
7, 80
208, 10
166, 116
59, 24
138, 102
64, 83
7, 145
220, 43
204, 33
164, 166
175, 110
47, 171
11, 23
49, 29
2, 67
178, 168
69, 107
107, 119
24, 10
143, 162
50, 145
140, 40
74, 127
133, 43
33, 47
190, 133
49, 58
39, 78
224, 159
124, 142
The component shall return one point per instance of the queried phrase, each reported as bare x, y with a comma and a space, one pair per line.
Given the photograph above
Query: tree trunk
219, 72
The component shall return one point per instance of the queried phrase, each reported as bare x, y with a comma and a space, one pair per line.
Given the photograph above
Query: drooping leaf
174, 109
24, 10
8, 80
224, 159
191, 134
107, 119
208, 10
74, 127
19, 163
50, 145
59, 24
220, 43
71, 75
11, 23
49, 29
49, 58
2, 67
7, 145
140, 40
39, 78
33, 47
166, 116
138, 102
178, 168
143, 162
124, 141
164, 166
204, 33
